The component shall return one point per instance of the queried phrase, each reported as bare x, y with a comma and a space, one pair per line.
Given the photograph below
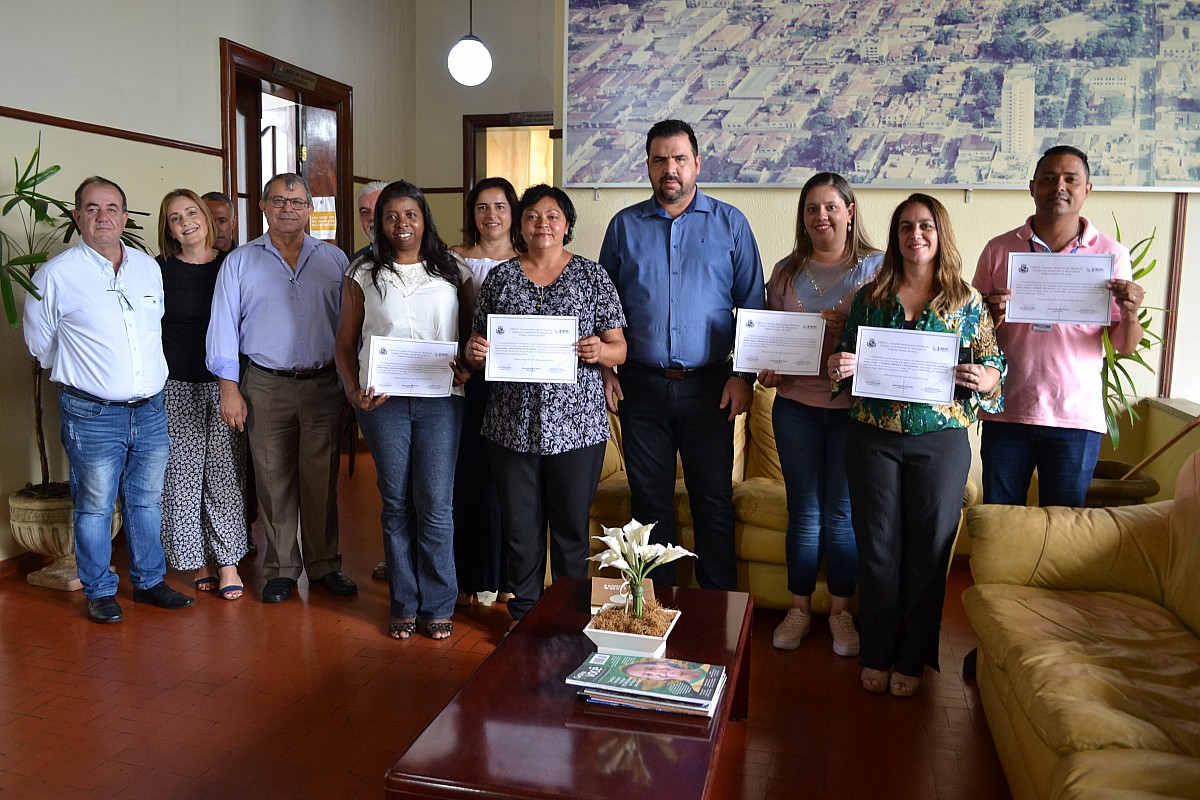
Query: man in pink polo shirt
1053, 414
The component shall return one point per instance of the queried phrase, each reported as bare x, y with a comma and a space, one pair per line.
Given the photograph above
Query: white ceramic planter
630, 644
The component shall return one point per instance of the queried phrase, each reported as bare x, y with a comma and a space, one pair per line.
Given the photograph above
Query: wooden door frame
238, 60
475, 124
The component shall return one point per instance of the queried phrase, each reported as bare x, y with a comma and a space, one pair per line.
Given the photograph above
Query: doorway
278, 117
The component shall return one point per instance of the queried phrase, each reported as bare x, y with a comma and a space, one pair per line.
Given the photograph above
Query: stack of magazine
657, 684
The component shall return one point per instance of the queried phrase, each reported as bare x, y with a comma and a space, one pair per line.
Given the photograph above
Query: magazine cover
670, 678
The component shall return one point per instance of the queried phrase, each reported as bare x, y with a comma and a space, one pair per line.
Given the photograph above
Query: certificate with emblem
910, 366
784, 341
529, 348
410, 367
1060, 288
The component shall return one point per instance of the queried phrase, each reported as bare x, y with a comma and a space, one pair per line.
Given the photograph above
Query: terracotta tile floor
309, 699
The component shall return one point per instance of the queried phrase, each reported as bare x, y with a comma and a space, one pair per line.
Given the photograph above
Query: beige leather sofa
1089, 645
760, 507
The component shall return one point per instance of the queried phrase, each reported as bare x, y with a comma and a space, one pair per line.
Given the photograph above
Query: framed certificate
784, 341
410, 367
1060, 288
910, 366
529, 348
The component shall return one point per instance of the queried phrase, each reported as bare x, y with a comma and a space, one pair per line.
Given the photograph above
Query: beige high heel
904, 685
875, 681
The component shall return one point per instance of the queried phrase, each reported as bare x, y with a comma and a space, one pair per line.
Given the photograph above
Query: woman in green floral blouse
907, 462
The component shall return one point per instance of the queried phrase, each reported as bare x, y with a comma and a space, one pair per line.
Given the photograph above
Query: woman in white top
410, 286
478, 530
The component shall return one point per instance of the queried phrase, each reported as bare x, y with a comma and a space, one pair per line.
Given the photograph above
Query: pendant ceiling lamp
469, 61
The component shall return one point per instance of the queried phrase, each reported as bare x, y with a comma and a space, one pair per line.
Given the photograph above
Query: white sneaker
485, 598
845, 637
793, 628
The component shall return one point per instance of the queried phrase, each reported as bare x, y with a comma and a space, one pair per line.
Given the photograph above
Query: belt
296, 374
91, 398
675, 373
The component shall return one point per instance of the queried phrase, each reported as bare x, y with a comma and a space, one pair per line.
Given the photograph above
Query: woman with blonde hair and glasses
204, 506
907, 462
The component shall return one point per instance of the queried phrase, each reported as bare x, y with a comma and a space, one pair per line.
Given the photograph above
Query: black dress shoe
336, 583
104, 610
162, 596
278, 589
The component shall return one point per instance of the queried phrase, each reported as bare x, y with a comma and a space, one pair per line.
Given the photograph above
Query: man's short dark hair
217, 197
669, 128
1065, 150
103, 182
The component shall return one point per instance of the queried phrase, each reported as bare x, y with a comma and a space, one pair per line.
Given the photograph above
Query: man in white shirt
97, 328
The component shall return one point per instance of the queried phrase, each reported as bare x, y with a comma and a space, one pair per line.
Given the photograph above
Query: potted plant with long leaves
41, 513
1108, 487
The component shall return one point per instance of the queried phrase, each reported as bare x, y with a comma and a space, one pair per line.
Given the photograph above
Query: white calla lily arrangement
630, 551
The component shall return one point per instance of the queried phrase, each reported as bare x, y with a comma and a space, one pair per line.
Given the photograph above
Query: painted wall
154, 68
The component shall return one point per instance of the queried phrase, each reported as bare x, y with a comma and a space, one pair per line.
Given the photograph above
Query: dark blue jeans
116, 450
414, 441
659, 418
810, 442
1064, 458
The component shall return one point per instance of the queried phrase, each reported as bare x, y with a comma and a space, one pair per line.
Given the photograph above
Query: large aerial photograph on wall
888, 93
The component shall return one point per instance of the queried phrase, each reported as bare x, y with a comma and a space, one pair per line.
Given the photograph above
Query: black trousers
906, 495
659, 418
536, 488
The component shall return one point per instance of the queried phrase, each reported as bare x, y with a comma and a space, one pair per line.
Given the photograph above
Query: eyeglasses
279, 201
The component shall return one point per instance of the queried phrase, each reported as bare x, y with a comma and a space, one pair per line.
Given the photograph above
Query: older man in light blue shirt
276, 302
97, 328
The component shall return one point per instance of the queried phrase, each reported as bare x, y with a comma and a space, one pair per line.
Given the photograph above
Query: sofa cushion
1093, 669
612, 505
761, 502
1182, 596
1125, 775
762, 459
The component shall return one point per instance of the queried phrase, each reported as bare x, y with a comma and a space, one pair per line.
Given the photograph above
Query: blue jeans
810, 442
1064, 457
116, 450
414, 441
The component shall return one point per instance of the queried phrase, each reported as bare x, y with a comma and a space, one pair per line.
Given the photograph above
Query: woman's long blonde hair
950, 292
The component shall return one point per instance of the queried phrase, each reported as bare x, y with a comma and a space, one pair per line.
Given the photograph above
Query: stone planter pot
1107, 489
47, 526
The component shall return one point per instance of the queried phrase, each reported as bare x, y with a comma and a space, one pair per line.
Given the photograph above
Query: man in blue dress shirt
682, 262
277, 301
98, 328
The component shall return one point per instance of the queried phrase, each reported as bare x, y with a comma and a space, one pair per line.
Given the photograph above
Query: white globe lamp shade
469, 61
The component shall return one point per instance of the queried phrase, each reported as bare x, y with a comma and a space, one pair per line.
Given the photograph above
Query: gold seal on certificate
910, 366
410, 367
1060, 288
784, 341
529, 348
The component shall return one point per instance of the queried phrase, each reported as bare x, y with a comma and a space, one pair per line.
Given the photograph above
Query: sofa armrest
1122, 549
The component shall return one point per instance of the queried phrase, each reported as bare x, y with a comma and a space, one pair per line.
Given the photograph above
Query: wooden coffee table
517, 730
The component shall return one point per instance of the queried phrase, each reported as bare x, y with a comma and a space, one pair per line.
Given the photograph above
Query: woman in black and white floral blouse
546, 440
